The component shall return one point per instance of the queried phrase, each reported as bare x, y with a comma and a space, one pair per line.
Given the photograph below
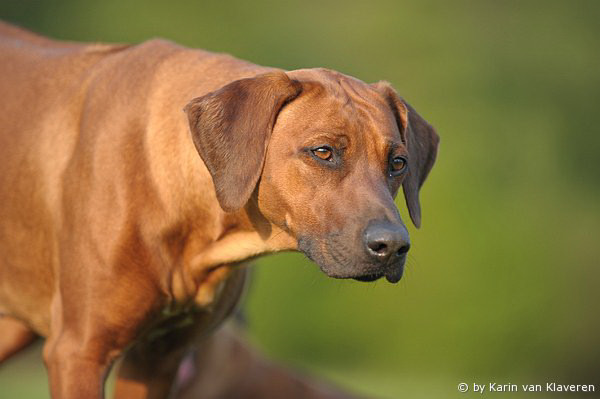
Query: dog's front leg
149, 369
79, 356
93, 320
14, 336
142, 377
77, 366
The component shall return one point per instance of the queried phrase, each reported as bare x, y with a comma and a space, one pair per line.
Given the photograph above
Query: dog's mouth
392, 275
367, 278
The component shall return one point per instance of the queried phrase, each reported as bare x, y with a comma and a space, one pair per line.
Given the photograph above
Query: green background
502, 283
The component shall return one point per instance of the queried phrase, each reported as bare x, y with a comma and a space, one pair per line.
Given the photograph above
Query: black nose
385, 241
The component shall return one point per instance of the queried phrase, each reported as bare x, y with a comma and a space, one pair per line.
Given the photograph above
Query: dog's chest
192, 321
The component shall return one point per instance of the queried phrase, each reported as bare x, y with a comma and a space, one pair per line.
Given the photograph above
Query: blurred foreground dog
225, 366
135, 179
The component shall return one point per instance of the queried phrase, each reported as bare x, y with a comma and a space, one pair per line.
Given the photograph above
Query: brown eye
398, 165
323, 153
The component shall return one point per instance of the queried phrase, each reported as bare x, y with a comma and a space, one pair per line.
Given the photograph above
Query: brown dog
116, 237
225, 366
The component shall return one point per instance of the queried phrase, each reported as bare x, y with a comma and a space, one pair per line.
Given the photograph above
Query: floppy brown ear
422, 144
231, 128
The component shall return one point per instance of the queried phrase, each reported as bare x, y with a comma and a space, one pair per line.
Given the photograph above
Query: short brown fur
123, 219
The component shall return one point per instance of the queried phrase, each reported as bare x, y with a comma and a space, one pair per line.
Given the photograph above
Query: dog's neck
207, 264
201, 256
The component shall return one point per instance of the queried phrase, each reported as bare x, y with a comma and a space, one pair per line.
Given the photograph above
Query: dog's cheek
395, 184
272, 200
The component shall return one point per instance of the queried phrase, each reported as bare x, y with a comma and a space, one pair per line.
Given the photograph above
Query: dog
227, 366
136, 180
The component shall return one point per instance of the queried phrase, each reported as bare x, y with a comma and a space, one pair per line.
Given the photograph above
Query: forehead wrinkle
348, 87
349, 93
365, 117
364, 96
373, 130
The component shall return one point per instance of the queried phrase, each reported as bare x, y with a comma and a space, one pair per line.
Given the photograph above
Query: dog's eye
398, 165
324, 153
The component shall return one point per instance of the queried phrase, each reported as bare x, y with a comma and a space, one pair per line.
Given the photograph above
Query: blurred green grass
502, 281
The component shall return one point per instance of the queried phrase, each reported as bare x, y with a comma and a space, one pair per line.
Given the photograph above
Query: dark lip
367, 278
392, 275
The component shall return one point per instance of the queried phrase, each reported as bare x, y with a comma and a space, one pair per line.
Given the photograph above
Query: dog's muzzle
381, 253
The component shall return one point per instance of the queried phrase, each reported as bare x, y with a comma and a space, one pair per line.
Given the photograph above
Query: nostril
403, 250
385, 242
378, 247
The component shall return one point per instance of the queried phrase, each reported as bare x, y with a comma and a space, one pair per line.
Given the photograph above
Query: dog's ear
231, 128
422, 143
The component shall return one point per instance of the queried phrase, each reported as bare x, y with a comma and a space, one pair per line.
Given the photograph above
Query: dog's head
324, 155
